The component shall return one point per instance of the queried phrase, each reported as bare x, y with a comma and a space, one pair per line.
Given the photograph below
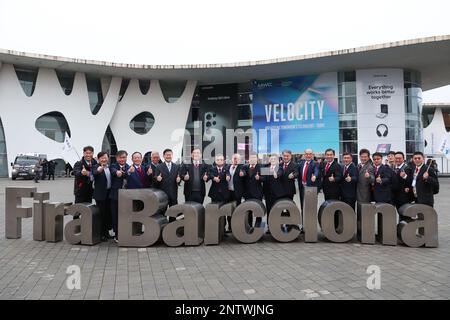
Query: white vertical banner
68, 153
444, 147
380, 100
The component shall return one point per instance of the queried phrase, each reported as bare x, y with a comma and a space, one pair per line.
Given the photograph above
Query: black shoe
104, 239
268, 232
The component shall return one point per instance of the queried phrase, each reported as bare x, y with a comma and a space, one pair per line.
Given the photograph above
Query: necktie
305, 172
376, 171
285, 166
327, 167
417, 171
169, 165
345, 171
251, 170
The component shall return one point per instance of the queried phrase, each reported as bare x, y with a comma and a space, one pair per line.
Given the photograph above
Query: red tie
327, 167
417, 170
376, 171
305, 171
285, 167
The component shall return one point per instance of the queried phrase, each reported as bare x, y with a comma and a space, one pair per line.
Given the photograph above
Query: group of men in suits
371, 180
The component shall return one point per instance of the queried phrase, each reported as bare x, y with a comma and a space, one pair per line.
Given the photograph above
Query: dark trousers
105, 214
171, 203
233, 197
195, 196
350, 201
115, 215
250, 217
51, 175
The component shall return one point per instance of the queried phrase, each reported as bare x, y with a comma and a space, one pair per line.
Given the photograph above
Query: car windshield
26, 161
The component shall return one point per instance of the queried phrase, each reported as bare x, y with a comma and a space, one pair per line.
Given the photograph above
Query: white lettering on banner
302, 111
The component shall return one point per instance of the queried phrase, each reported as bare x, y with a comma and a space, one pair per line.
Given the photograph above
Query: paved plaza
264, 270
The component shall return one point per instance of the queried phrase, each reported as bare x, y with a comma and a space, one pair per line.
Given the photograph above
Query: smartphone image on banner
383, 111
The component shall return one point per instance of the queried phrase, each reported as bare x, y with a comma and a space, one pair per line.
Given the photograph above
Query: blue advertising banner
302, 110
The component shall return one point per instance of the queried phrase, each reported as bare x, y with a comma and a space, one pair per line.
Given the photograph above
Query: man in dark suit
365, 178
253, 183
137, 175
349, 180
290, 173
118, 173
83, 187
382, 187
308, 174
272, 185
236, 183
167, 174
194, 175
331, 176
401, 190
102, 190
154, 161
424, 181
219, 176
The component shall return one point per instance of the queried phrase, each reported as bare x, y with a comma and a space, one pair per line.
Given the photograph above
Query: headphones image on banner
382, 130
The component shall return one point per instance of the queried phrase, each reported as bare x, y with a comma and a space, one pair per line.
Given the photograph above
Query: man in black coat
331, 176
195, 176
119, 170
253, 183
424, 181
349, 180
219, 176
151, 168
272, 185
382, 187
236, 183
102, 190
402, 188
290, 173
167, 174
83, 187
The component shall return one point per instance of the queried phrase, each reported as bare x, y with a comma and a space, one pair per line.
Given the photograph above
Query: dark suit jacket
238, 181
383, 192
218, 192
331, 190
116, 182
168, 184
151, 178
312, 168
424, 188
288, 185
135, 181
348, 189
273, 188
83, 184
253, 187
189, 168
100, 184
400, 197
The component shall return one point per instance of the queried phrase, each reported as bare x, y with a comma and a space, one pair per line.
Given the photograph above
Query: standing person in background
38, 171
349, 180
253, 183
391, 160
424, 181
119, 171
68, 168
382, 186
102, 189
401, 191
195, 176
290, 173
236, 183
83, 187
44, 169
365, 178
331, 176
167, 174
51, 169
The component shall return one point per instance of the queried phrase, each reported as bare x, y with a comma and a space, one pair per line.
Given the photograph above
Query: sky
200, 31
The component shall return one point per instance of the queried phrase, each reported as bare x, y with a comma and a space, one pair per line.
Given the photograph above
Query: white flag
444, 147
67, 146
68, 152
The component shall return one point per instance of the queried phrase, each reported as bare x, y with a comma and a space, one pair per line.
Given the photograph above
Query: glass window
142, 123
348, 134
172, 90
27, 78
66, 80
245, 112
95, 93
347, 105
144, 85
123, 88
53, 125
